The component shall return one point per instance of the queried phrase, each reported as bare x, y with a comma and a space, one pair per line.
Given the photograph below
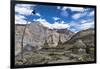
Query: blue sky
56, 17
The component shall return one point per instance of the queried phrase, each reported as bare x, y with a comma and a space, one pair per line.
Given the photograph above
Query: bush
85, 58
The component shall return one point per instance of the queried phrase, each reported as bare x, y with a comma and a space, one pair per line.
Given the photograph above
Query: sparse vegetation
85, 58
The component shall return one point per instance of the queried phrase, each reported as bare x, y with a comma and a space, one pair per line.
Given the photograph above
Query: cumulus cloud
38, 14
84, 24
56, 18
81, 11
43, 21
64, 8
87, 25
81, 14
58, 25
24, 9
91, 13
73, 8
19, 19
77, 8
62, 22
78, 15
55, 25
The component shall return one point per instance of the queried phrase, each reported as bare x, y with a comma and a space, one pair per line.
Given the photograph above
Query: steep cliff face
36, 34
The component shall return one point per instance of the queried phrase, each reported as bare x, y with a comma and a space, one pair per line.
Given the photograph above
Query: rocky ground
50, 56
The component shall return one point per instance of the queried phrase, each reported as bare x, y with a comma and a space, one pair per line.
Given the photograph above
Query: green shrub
84, 58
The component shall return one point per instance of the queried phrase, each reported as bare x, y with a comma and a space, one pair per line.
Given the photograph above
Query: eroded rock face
52, 38
82, 41
36, 34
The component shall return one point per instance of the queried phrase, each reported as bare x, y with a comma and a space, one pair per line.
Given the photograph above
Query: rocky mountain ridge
36, 34
45, 46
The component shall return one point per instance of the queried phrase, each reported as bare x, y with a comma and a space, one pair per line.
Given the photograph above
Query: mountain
86, 36
43, 45
82, 43
36, 34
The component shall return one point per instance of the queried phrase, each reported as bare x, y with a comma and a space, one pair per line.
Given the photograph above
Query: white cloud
86, 20
22, 10
78, 15
62, 22
55, 25
81, 11
87, 25
91, 13
38, 14
56, 18
25, 9
64, 8
77, 8
58, 7
20, 19
73, 8
43, 21
83, 21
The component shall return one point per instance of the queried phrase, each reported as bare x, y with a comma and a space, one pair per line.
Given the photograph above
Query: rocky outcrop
82, 43
36, 34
